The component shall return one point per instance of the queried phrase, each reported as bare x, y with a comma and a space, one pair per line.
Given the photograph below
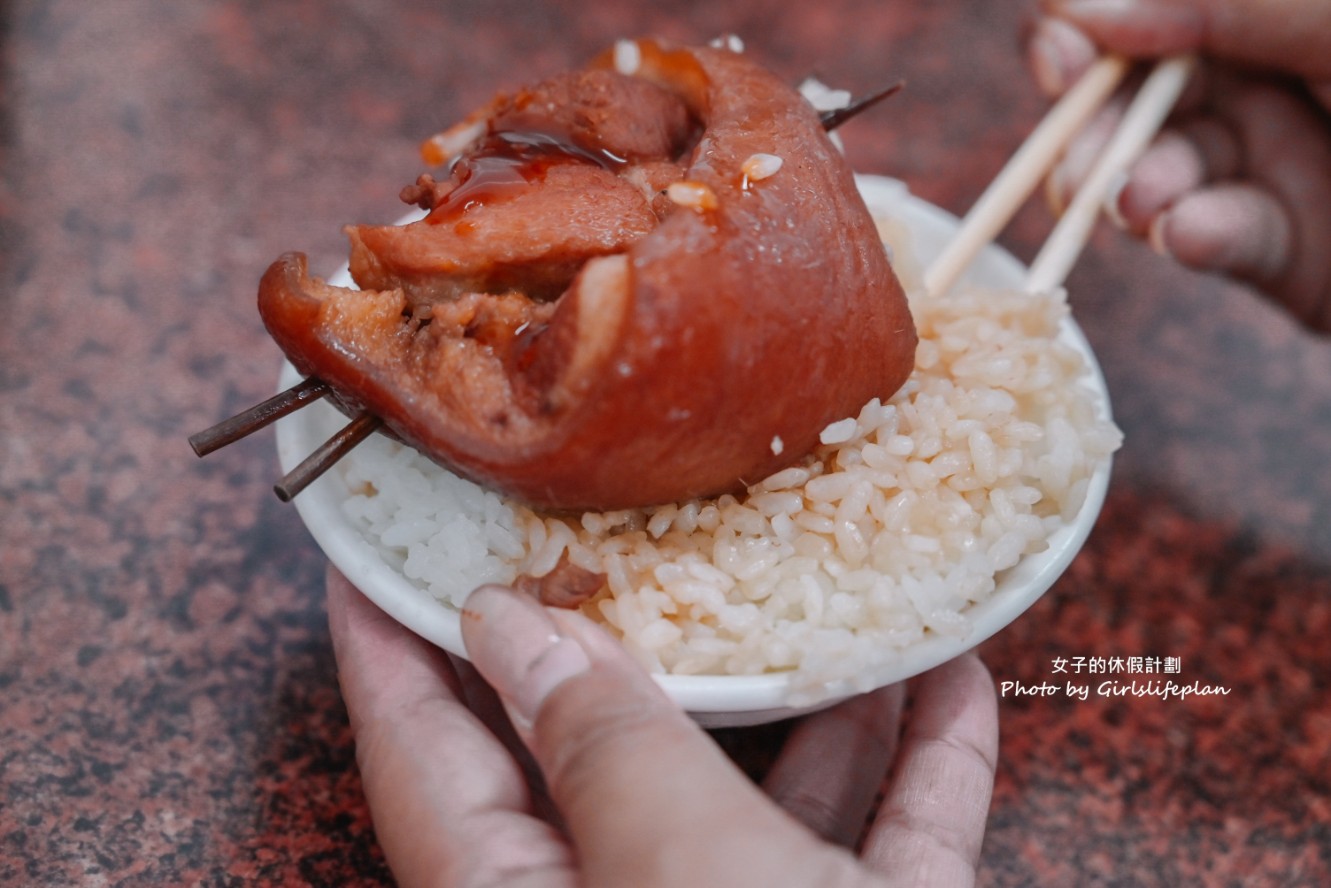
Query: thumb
1293, 36
642, 789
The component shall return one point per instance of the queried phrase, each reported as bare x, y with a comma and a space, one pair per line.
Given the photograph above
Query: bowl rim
754, 697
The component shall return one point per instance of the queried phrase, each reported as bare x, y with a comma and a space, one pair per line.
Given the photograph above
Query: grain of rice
795, 476
757, 167
627, 57
661, 521
731, 42
693, 195
838, 432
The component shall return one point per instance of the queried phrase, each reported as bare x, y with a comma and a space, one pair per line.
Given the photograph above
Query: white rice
904, 517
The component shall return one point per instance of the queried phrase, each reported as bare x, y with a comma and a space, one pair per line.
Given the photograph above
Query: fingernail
1098, 8
1057, 53
519, 649
1044, 61
1055, 191
1155, 235
1113, 208
1164, 26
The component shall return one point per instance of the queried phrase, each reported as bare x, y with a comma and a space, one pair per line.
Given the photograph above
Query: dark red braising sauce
506, 163
500, 167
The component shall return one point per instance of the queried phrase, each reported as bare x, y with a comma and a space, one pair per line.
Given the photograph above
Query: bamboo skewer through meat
229, 431
326, 456
834, 117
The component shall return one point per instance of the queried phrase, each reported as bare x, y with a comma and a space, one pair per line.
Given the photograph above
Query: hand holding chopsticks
1032, 161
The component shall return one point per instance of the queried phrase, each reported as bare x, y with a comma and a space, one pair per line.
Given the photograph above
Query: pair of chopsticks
1037, 155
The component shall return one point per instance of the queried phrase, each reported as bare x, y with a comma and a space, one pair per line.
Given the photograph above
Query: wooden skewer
228, 431
328, 453
307, 391
837, 116
1037, 155
1140, 123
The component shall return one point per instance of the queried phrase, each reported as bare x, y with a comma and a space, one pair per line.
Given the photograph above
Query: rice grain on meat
901, 519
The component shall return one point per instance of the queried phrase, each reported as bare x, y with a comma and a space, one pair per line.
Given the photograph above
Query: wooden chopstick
1140, 123
1037, 155
1023, 172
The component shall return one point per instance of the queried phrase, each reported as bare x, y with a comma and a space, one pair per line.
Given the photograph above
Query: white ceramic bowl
717, 701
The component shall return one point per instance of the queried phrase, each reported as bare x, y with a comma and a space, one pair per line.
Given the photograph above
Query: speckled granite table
168, 708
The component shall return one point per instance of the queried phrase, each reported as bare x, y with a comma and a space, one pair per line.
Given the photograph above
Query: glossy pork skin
558, 329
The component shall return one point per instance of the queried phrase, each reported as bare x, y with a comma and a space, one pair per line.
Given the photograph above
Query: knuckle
817, 813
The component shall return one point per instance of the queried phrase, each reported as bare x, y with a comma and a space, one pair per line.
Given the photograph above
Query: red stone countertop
169, 712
